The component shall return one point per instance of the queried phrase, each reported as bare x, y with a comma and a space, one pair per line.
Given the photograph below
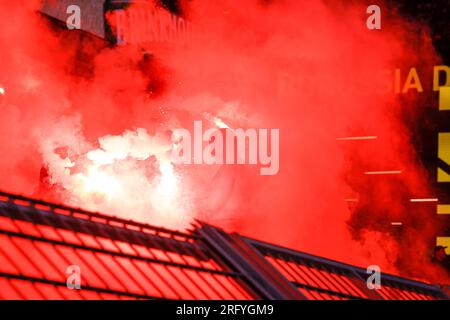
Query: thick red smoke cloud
310, 68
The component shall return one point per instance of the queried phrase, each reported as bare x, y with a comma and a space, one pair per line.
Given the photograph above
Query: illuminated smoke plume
96, 122
133, 165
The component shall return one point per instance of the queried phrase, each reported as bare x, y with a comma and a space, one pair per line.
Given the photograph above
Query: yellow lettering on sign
412, 81
436, 71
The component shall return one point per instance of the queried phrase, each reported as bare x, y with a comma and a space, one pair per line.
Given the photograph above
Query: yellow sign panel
444, 98
443, 209
444, 241
444, 155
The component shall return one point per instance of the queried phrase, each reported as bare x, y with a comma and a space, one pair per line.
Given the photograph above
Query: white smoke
132, 166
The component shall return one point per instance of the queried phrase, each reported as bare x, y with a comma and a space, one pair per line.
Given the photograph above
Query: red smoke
309, 68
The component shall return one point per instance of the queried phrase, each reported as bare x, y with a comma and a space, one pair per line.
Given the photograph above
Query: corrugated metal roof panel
121, 259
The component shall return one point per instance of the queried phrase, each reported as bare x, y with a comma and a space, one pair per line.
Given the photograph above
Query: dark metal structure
122, 259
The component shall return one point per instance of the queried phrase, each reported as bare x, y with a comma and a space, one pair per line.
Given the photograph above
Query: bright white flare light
219, 122
168, 181
216, 120
98, 182
128, 175
2, 91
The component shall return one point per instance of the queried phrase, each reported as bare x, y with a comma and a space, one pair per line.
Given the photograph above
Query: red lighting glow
89, 124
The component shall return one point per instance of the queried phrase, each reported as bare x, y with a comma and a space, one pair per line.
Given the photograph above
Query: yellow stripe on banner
443, 209
442, 176
444, 241
444, 155
444, 98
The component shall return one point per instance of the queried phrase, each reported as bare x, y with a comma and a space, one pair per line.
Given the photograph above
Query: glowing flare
101, 157
100, 182
168, 182
216, 120
219, 122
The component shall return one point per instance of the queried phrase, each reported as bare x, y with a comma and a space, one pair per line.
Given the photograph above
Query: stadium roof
122, 259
